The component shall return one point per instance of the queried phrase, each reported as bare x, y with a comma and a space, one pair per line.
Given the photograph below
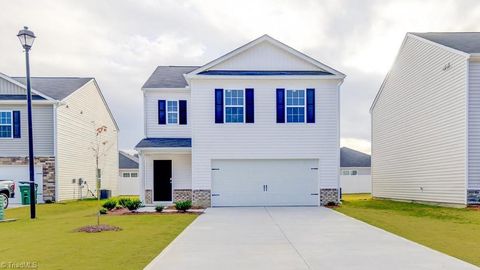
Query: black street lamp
26, 39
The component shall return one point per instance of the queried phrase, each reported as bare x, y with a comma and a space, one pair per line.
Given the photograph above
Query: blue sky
121, 42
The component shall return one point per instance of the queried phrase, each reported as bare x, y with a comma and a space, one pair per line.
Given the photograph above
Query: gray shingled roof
468, 42
55, 87
353, 158
164, 142
126, 161
20, 97
169, 77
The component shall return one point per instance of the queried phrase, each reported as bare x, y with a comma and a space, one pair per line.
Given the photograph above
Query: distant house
128, 174
68, 115
258, 126
355, 173
426, 121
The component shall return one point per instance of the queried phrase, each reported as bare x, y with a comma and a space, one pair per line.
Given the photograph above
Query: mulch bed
98, 228
125, 211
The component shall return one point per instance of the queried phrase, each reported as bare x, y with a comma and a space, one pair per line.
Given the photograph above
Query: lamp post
26, 39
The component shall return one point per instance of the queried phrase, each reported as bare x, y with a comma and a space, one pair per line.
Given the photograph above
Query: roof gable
353, 158
467, 42
126, 161
267, 54
55, 87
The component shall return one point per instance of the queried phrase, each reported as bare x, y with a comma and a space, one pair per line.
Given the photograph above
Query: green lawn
452, 231
50, 241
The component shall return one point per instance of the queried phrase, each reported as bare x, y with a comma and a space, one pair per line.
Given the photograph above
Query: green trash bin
25, 193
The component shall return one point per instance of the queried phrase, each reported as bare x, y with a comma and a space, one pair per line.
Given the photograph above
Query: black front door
162, 183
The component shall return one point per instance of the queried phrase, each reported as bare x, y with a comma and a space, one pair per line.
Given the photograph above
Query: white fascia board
34, 102
163, 150
260, 77
184, 89
257, 41
7, 78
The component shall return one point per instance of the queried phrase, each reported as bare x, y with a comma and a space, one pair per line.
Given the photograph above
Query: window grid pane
234, 102
5, 131
295, 106
172, 112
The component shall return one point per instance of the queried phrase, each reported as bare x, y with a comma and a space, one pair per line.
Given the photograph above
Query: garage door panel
264, 182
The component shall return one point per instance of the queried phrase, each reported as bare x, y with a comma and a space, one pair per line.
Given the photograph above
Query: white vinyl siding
474, 126
77, 119
419, 127
8, 88
265, 139
42, 118
155, 130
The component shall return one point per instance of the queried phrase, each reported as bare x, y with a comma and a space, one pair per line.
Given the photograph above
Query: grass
50, 240
455, 232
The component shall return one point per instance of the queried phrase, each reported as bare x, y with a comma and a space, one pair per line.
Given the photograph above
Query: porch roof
165, 143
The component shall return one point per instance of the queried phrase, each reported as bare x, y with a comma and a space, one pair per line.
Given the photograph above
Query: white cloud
356, 144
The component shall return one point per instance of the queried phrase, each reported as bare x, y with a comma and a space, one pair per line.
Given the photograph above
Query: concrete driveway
293, 238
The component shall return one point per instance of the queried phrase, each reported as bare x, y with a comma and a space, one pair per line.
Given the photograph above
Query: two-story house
258, 126
70, 119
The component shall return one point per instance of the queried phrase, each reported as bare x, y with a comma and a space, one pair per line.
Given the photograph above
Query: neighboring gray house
426, 121
70, 118
355, 172
128, 174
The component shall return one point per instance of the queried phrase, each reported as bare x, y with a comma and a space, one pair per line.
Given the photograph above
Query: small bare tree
100, 148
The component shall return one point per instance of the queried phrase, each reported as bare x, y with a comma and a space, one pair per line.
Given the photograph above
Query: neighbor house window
172, 112
133, 174
349, 172
234, 106
6, 126
126, 174
295, 106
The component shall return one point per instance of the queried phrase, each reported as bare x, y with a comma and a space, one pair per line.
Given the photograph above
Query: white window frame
304, 106
11, 125
177, 111
126, 174
131, 174
233, 106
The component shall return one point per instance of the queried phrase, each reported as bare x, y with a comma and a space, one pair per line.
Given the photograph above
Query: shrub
183, 206
109, 204
49, 201
123, 202
331, 203
133, 204
159, 208
103, 211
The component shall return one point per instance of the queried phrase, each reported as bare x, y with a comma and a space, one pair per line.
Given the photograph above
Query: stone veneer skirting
328, 195
182, 195
473, 196
148, 196
201, 197
48, 165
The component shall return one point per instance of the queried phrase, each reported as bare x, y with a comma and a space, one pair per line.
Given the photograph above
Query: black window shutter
249, 106
218, 106
310, 105
182, 106
16, 124
280, 105
162, 113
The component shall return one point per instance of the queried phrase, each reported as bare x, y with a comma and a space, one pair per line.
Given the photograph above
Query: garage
273, 182
20, 173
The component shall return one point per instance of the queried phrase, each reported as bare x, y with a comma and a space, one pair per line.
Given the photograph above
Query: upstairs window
6, 126
234, 106
172, 112
295, 106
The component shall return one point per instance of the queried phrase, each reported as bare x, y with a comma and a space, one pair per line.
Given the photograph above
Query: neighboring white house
67, 115
355, 174
426, 121
257, 126
128, 174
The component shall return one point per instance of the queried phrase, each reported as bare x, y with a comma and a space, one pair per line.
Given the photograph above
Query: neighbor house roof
55, 87
169, 77
164, 143
468, 42
353, 158
20, 97
127, 161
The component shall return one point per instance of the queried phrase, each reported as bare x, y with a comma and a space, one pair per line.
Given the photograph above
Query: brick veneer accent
182, 195
48, 170
201, 197
328, 195
148, 196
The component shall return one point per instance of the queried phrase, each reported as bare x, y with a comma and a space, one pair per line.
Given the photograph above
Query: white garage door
264, 182
19, 174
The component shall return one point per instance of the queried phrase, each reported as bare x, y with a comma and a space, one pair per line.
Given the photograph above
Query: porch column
141, 175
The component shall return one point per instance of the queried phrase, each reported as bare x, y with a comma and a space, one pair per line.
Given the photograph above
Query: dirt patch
98, 228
